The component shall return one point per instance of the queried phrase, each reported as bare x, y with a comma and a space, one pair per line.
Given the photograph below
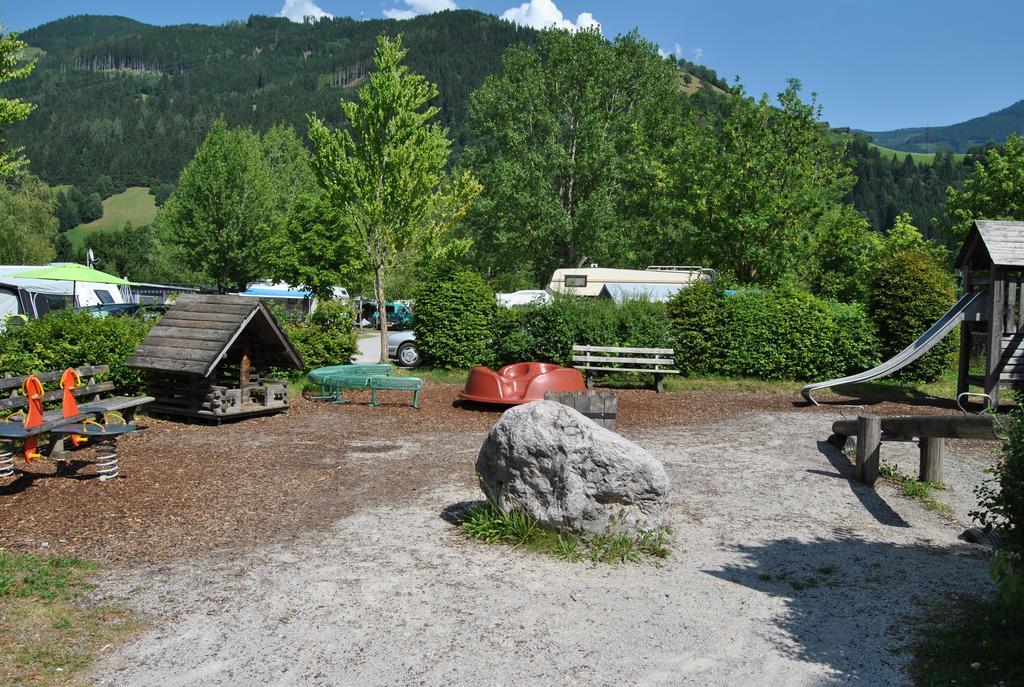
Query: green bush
454, 319
547, 332
696, 317
1001, 503
326, 336
769, 334
71, 339
910, 289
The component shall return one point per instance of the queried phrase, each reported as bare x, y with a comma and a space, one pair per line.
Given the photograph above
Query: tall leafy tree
222, 215
386, 172
757, 186
12, 109
570, 144
995, 191
28, 227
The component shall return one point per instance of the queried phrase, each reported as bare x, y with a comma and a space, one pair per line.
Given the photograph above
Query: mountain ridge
958, 138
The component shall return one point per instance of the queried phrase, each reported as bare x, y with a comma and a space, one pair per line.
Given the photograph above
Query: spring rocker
75, 424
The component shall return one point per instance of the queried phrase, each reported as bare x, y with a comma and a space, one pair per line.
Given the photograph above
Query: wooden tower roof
992, 244
196, 333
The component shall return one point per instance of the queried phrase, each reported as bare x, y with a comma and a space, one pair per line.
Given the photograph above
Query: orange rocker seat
520, 383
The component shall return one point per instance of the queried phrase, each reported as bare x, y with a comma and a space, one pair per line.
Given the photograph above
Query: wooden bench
91, 402
930, 431
656, 361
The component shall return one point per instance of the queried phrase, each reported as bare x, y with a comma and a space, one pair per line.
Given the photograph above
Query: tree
570, 141
996, 191
911, 287
386, 173
222, 214
753, 186
12, 109
28, 227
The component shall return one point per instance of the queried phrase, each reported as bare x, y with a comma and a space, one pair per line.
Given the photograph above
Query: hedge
769, 334
71, 339
454, 318
325, 337
547, 332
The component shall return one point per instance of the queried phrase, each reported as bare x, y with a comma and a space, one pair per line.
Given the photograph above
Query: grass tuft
912, 488
487, 523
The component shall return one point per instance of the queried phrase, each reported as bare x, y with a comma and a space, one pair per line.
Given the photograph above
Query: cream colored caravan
657, 281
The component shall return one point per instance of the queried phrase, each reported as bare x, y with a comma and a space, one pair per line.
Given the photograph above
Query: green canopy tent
73, 273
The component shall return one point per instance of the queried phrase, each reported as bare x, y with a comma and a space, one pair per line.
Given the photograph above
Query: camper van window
578, 281
105, 297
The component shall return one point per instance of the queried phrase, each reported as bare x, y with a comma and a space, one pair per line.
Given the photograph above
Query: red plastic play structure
520, 383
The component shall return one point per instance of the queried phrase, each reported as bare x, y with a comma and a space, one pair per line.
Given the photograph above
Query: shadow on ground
849, 602
866, 494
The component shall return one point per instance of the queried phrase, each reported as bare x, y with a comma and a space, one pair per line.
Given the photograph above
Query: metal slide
968, 305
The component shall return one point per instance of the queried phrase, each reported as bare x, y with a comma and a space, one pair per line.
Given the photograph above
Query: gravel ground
783, 571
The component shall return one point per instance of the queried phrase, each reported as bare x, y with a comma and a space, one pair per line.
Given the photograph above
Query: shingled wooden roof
993, 243
198, 330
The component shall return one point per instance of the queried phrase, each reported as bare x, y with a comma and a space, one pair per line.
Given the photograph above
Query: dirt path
783, 572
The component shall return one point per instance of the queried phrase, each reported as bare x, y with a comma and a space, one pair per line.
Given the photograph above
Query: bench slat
56, 395
615, 349
45, 377
115, 403
613, 359
625, 369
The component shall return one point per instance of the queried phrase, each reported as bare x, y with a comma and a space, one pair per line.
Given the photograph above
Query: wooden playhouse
992, 262
210, 357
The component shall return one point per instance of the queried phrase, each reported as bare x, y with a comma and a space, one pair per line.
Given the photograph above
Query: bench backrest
88, 373
602, 356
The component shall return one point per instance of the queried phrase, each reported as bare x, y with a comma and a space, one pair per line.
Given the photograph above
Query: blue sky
875, 64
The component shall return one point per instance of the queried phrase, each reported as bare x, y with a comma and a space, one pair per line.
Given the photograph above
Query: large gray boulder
552, 463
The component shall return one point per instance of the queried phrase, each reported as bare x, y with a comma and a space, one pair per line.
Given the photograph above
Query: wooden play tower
992, 262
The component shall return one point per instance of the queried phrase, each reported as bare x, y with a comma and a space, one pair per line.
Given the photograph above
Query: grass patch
825, 575
912, 488
46, 633
970, 644
944, 387
432, 375
919, 158
487, 523
134, 205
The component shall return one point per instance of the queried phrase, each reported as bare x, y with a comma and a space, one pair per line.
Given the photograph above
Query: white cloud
544, 14
679, 51
298, 10
698, 54
418, 7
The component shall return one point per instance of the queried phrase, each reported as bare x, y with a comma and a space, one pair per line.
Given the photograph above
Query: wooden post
659, 383
966, 327
869, 440
994, 350
244, 368
933, 450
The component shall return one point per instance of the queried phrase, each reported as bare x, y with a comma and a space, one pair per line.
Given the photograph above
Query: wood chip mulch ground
187, 489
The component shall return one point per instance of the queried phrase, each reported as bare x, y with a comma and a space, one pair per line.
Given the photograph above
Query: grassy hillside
135, 205
919, 158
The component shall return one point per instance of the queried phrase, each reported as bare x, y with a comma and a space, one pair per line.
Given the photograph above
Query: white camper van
657, 282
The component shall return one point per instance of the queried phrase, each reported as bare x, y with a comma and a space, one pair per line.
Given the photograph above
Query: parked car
399, 315
144, 311
402, 349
